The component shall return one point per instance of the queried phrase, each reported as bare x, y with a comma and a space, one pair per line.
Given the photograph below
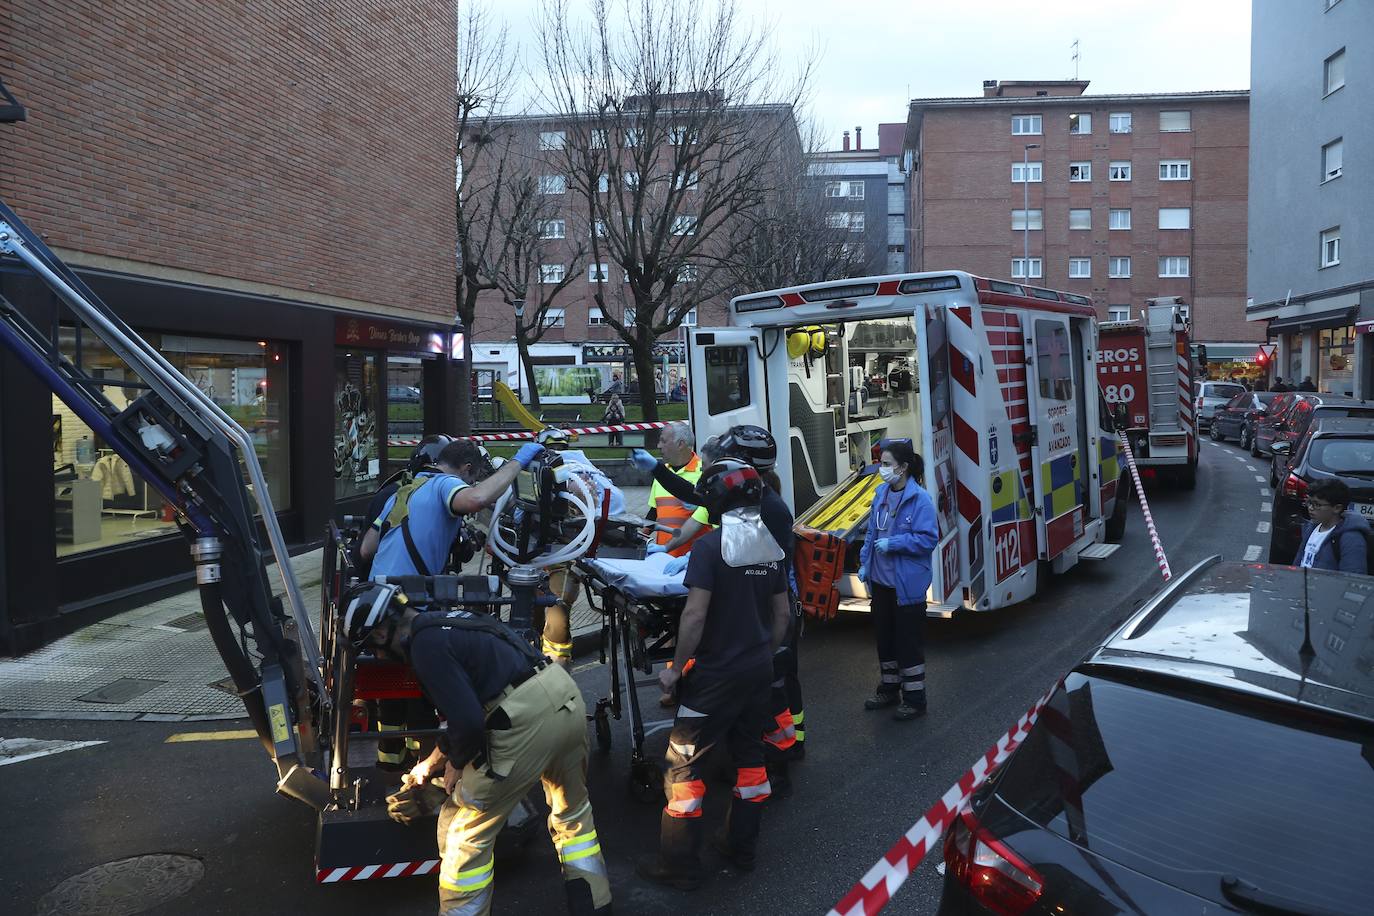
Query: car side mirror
1280, 448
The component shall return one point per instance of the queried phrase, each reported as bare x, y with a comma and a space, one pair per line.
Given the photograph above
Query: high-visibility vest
672, 512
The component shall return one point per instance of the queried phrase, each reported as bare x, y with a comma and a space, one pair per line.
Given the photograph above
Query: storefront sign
620, 353
371, 334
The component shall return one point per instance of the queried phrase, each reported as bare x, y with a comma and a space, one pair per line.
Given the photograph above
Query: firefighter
735, 617
514, 719
678, 446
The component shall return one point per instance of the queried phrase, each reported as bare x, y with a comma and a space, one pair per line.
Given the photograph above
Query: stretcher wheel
646, 781
602, 724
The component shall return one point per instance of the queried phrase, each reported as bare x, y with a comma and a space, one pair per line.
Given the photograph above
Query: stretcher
640, 609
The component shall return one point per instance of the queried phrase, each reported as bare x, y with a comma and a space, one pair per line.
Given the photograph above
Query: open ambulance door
1060, 461
937, 446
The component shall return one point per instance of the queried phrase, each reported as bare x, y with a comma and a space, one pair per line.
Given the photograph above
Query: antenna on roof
1075, 59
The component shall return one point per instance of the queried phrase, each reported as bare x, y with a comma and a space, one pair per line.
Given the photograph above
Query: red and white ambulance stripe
376, 872
1162, 560
876, 888
963, 349
526, 434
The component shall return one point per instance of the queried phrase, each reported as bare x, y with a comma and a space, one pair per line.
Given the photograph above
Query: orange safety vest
672, 512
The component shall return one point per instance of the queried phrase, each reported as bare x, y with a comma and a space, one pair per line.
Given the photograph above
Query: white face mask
888, 474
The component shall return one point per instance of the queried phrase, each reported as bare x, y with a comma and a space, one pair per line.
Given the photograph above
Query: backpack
1368, 549
399, 516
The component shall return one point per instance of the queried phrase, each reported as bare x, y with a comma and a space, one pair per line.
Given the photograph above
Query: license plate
1366, 509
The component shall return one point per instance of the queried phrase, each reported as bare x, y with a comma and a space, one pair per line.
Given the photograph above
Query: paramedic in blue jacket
1335, 536
895, 565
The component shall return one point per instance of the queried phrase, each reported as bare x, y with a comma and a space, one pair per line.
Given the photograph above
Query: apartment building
863, 193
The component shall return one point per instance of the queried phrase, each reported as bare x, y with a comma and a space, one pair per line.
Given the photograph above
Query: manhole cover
193, 622
120, 691
124, 887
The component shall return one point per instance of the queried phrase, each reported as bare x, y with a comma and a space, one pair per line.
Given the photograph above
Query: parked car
1267, 425
1210, 757
1308, 408
1208, 396
403, 394
1332, 448
1236, 416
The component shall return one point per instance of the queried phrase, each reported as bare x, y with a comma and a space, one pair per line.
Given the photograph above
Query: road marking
1266, 507
211, 736
1262, 527
1260, 478
17, 750
1252, 467
1252, 552
1264, 491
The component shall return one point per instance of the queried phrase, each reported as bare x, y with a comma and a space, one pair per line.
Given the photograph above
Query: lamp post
519, 304
1025, 209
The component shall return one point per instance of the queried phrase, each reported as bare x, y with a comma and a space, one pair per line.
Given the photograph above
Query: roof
1303, 635
1071, 101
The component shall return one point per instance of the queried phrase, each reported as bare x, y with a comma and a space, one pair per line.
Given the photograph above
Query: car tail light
1294, 487
994, 875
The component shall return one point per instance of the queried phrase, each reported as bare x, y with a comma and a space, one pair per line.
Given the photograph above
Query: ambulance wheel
646, 781
1116, 525
602, 725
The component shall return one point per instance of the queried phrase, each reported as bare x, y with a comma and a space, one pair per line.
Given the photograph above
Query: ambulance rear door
937, 446
1054, 355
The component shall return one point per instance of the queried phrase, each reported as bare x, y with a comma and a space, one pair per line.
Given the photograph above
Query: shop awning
1315, 321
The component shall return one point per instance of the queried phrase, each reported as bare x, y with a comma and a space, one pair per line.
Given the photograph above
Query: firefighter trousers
715, 708
395, 715
547, 740
900, 632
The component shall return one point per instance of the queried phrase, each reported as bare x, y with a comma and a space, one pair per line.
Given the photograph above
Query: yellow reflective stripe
474, 879
573, 857
579, 842
383, 727
466, 887
799, 718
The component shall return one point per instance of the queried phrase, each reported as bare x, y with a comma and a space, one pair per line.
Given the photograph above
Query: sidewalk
157, 662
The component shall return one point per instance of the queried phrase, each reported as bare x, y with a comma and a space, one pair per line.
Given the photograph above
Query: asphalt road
865, 779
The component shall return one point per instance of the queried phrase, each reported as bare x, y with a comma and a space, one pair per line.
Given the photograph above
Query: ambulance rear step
861, 606
1098, 551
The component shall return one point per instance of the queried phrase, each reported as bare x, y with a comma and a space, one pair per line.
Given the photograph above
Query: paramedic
514, 720
678, 446
735, 617
895, 565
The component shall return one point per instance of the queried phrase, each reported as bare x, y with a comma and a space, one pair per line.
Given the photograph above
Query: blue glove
883, 544
643, 461
863, 574
655, 548
676, 565
528, 453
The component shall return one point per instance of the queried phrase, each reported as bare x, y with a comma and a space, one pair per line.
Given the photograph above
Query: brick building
1116, 197
267, 196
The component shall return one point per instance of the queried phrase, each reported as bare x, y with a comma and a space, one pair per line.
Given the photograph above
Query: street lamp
1025, 209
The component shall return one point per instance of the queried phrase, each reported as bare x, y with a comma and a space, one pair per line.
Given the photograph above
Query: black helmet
729, 484
752, 444
426, 454
369, 606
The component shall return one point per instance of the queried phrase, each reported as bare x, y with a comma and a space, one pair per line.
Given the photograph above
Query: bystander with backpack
1336, 537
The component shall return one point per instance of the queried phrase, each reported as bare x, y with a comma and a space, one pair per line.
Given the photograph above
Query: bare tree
676, 118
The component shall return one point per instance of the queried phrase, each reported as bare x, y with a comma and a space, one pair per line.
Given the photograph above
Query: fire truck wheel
1116, 525
1187, 478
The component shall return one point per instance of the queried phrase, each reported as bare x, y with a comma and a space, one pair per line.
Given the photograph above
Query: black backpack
1368, 549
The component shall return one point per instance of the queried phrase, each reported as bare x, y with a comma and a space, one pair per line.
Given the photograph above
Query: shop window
727, 379
1052, 361
1336, 361
405, 408
357, 445
100, 502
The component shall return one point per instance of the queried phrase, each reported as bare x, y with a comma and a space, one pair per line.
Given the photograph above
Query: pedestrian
735, 617
1335, 538
1307, 384
1280, 384
616, 386
895, 565
614, 415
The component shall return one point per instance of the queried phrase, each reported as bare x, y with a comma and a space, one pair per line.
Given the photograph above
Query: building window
599, 228
834, 188
688, 273
1175, 169
1080, 171
1333, 72
633, 135
1175, 218
629, 319
685, 181
1022, 172
552, 228
1118, 313
357, 435
632, 180
1080, 123
595, 317
856, 190
603, 183
1053, 361
1332, 155
1119, 219
682, 136
1021, 224
1175, 121
689, 320
1025, 124
836, 220
1331, 246
856, 222
555, 318
1119, 122
1018, 269
552, 139
598, 139
598, 273
1080, 268
552, 184
1119, 171
1173, 267
551, 273
1119, 268
1080, 219
684, 225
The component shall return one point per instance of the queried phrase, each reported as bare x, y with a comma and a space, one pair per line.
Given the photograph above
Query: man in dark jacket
1307, 384
1335, 538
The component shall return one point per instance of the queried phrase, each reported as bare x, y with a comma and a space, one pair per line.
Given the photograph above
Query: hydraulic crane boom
189, 450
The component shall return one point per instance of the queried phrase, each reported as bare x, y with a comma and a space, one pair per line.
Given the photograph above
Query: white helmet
369, 607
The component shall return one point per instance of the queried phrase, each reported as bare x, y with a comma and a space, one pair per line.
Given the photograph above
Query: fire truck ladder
1161, 366
192, 453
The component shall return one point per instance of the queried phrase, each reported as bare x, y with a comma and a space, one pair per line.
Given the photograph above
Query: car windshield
1187, 791
1222, 391
1342, 456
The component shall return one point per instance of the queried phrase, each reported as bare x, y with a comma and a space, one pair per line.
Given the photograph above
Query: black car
1237, 417
1331, 448
1305, 410
1266, 427
1213, 756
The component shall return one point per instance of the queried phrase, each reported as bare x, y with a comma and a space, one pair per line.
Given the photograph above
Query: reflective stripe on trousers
751, 784
686, 798
785, 735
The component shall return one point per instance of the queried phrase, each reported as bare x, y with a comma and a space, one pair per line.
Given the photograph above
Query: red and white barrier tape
526, 434
875, 889
1162, 560
374, 872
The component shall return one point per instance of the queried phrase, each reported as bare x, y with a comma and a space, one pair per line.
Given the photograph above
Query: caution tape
526, 434
875, 889
1160, 558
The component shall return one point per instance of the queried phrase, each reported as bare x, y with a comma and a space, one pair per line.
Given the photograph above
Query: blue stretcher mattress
640, 579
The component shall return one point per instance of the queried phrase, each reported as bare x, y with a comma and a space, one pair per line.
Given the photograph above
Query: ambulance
994, 383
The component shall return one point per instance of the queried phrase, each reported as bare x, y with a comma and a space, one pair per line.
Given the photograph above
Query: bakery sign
371, 334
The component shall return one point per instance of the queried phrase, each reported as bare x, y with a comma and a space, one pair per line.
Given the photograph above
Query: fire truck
1145, 368
990, 380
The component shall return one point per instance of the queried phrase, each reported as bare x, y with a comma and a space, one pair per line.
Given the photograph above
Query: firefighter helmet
426, 454
753, 444
370, 605
729, 484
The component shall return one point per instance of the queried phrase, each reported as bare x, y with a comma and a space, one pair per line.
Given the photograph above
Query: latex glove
883, 544
863, 574
655, 548
668, 678
528, 453
414, 802
675, 565
643, 461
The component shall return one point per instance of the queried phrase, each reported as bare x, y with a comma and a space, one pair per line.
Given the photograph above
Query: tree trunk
522, 344
463, 396
643, 352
